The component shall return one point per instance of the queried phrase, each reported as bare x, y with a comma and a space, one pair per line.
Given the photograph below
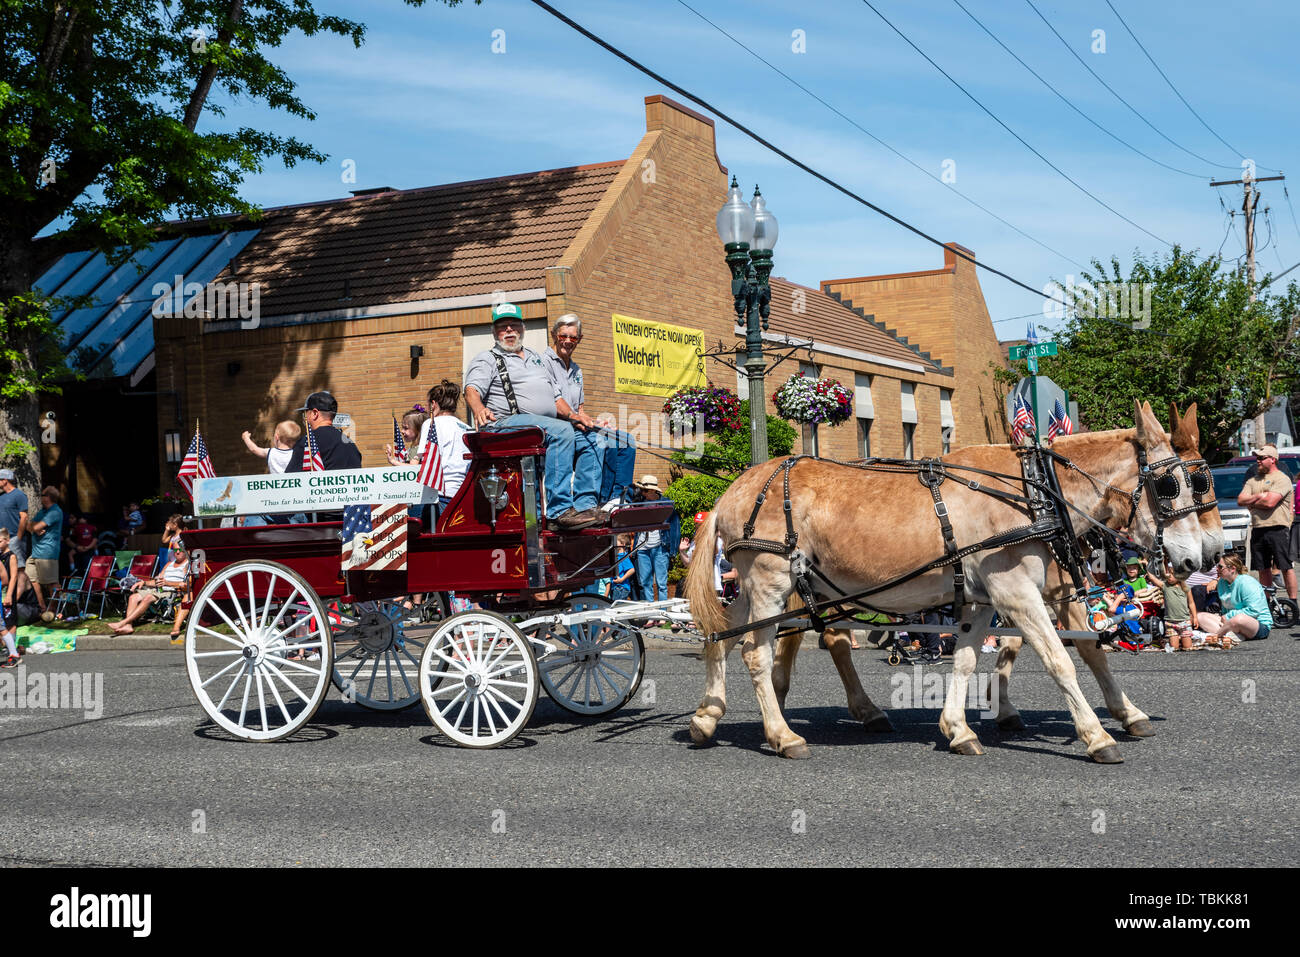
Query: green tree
100, 109
1207, 343
727, 455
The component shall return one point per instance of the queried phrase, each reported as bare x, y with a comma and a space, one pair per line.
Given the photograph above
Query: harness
1047, 508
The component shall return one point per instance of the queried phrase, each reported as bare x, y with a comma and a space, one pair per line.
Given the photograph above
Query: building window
909, 433
864, 438
947, 440
809, 440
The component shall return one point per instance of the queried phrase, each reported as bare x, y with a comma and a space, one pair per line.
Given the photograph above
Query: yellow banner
654, 358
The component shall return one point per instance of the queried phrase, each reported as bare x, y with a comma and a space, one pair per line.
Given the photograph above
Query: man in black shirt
336, 450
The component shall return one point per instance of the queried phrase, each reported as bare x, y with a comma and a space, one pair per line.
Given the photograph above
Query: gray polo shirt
534, 390
568, 382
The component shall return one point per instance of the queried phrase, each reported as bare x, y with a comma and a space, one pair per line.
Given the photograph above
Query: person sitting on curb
1246, 616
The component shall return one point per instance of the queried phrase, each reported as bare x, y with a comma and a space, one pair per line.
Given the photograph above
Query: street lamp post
748, 233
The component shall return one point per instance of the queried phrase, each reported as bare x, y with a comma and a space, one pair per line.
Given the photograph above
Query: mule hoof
796, 751
880, 724
967, 747
1140, 729
702, 729
1107, 755
1011, 724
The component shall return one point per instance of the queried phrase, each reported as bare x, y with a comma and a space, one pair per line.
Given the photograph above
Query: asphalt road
151, 783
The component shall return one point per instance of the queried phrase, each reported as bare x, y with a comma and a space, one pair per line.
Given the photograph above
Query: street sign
1033, 351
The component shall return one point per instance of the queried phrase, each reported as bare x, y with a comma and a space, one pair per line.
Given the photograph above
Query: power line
1175, 89
1020, 138
1064, 99
1292, 208
736, 124
1225, 236
1132, 109
873, 136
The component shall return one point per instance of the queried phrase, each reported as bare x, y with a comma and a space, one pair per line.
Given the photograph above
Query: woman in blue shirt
1246, 615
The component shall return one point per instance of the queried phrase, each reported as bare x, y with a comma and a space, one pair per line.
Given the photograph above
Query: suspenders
506, 387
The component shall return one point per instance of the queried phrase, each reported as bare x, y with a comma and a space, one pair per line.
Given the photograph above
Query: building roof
828, 322
461, 239
373, 248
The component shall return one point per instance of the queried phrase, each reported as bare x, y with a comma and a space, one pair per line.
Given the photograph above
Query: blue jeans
568, 481
652, 569
618, 464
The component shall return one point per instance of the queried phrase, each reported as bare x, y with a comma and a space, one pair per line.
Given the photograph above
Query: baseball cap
7, 474
322, 401
1269, 451
701, 518
507, 310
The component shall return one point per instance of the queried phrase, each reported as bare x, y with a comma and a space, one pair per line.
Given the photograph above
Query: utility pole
1249, 200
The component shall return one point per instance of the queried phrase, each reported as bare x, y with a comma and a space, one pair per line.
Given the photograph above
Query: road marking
152, 722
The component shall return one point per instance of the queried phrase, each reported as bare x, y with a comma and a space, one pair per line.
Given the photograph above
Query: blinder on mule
1166, 487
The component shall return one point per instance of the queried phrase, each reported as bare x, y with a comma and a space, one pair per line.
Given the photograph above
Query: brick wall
942, 312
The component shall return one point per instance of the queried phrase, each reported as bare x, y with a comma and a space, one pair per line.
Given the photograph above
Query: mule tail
706, 609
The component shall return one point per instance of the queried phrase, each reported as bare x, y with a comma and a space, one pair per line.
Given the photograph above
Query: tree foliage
100, 109
1207, 343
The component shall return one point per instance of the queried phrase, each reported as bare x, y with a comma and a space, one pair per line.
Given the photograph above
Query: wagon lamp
748, 232
494, 489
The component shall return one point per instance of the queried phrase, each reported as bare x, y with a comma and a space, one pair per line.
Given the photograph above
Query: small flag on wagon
311, 460
196, 464
374, 538
1058, 423
399, 443
1022, 422
431, 464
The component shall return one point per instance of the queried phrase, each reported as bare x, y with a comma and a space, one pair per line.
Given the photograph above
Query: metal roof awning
112, 335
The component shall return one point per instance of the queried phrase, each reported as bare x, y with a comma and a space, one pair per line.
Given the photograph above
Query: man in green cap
507, 387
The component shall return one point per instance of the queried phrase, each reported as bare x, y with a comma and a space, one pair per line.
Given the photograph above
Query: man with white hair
615, 452
507, 387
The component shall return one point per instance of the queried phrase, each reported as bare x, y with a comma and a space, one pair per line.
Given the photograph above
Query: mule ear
1191, 426
1149, 430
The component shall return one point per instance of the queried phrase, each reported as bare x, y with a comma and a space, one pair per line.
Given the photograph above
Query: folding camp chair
93, 584
140, 568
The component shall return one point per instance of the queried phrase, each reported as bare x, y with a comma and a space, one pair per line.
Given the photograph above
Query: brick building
380, 295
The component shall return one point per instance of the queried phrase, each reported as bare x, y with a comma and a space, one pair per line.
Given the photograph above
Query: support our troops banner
655, 358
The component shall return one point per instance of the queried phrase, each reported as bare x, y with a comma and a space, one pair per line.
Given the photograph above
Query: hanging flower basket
719, 407
813, 401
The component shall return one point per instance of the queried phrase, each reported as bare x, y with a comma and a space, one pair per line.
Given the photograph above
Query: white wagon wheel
245, 680
478, 679
597, 665
377, 650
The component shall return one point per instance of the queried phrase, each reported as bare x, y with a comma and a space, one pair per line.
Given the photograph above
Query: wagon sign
291, 492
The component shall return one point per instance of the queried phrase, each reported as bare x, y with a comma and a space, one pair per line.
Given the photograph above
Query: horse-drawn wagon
282, 611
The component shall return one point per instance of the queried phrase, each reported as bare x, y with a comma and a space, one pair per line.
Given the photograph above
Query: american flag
195, 465
374, 537
1058, 423
1022, 422
311, 460
431, 464
399, 444
356, 519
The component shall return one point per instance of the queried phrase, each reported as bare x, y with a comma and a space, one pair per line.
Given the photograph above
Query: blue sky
426, 101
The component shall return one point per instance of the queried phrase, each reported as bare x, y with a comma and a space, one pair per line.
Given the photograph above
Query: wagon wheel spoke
244, 597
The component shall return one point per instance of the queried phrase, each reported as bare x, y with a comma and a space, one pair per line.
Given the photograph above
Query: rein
1048, 509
